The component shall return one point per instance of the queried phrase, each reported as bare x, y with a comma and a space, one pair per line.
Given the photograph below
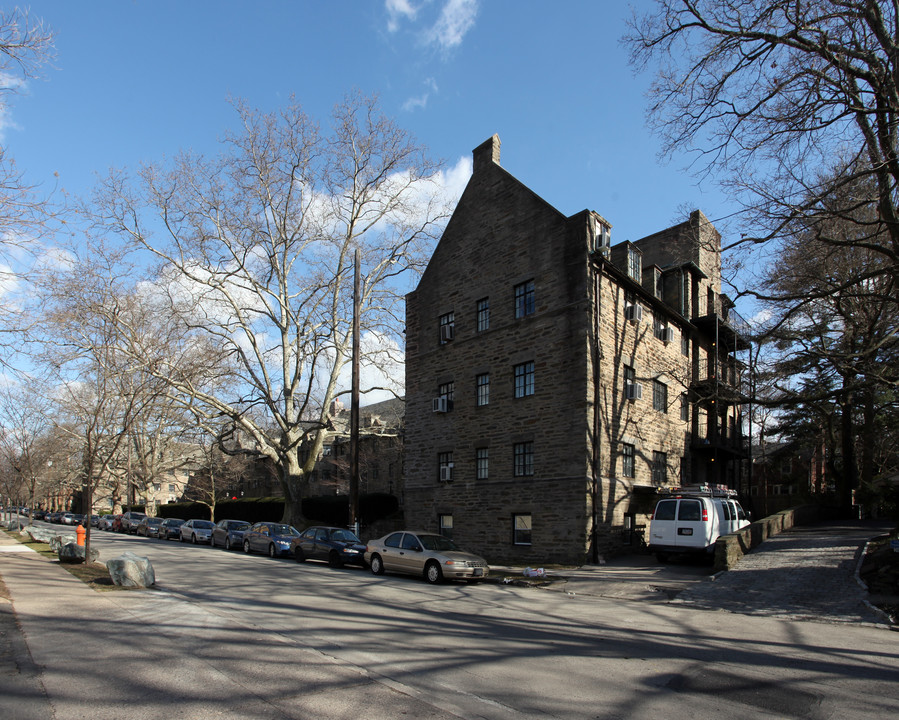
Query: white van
690, 520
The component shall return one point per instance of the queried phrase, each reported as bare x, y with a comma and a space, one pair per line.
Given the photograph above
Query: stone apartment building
554, 381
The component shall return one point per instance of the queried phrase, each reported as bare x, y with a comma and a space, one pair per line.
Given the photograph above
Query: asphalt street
226, 635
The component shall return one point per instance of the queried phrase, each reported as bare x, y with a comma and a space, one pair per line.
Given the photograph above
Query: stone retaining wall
729, 549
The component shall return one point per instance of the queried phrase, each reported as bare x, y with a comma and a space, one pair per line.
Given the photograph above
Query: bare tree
24, 430
791, 101
255, 251
25, 46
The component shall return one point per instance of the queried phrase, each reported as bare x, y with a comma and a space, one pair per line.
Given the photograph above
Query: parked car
105, 522
95, 520
338, 546
74, 519
692, 519
54, 517
269, 537
229, 533
129, 521
66, 518
432, 556
170, 528
197, 531
148, 527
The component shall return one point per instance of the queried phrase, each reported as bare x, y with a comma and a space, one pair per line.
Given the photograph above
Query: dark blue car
337, 546
229, 534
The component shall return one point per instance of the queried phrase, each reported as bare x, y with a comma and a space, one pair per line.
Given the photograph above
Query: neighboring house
380, 456
380, 451
785, 474
554, 381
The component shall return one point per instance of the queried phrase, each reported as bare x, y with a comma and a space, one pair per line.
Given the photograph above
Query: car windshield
437, 542
204, 524
284, 530
345, 536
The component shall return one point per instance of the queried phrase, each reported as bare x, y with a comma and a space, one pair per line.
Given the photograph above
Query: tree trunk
849, 480
293, 482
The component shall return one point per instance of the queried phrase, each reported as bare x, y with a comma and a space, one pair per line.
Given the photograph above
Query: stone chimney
486, 152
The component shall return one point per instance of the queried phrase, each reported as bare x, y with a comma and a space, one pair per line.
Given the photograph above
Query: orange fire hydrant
79, 535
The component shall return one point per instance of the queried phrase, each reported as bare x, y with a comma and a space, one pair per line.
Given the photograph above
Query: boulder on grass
39, 534
130, 570
74, 553
57, 541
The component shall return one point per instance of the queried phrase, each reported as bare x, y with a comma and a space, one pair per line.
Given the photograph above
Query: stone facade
547, 373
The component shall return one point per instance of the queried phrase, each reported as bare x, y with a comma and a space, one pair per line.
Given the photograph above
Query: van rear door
690, 527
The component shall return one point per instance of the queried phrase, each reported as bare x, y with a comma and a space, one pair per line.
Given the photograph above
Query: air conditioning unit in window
439, 404
634, 313
633, 391
446, 473
668, 335
446, 333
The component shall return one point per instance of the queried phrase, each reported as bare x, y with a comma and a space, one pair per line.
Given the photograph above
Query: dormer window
634, 264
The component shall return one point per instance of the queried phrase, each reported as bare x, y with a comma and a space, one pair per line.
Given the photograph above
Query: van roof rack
706, 489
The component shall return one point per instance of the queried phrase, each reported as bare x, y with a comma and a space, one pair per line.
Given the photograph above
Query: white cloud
398, 10
421, 102
456, 19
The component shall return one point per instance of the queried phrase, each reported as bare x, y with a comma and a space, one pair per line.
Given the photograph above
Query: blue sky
137, 80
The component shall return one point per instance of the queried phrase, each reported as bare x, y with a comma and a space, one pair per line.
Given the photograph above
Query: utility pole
354, 404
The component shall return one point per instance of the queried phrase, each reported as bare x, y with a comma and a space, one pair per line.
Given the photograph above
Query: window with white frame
634, 264
521, 529
445, 523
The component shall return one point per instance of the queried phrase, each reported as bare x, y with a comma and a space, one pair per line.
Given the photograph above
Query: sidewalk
145, 655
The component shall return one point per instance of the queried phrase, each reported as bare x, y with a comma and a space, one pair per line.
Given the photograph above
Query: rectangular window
483, 386
634, 266
445, 466
447, 327
445, 391
630, 380
659, 396
483, 314
684, 407
446, 525
482, 462
524, 379
659, 326
684, 343
524, 458
521, 529
524, 299
627, 460
659, 468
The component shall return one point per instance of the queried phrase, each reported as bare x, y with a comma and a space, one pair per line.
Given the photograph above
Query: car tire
272, 552
377, 565
227, 543
334, 560
181, 537
433, 573
299, 555
193, 539
246, 546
